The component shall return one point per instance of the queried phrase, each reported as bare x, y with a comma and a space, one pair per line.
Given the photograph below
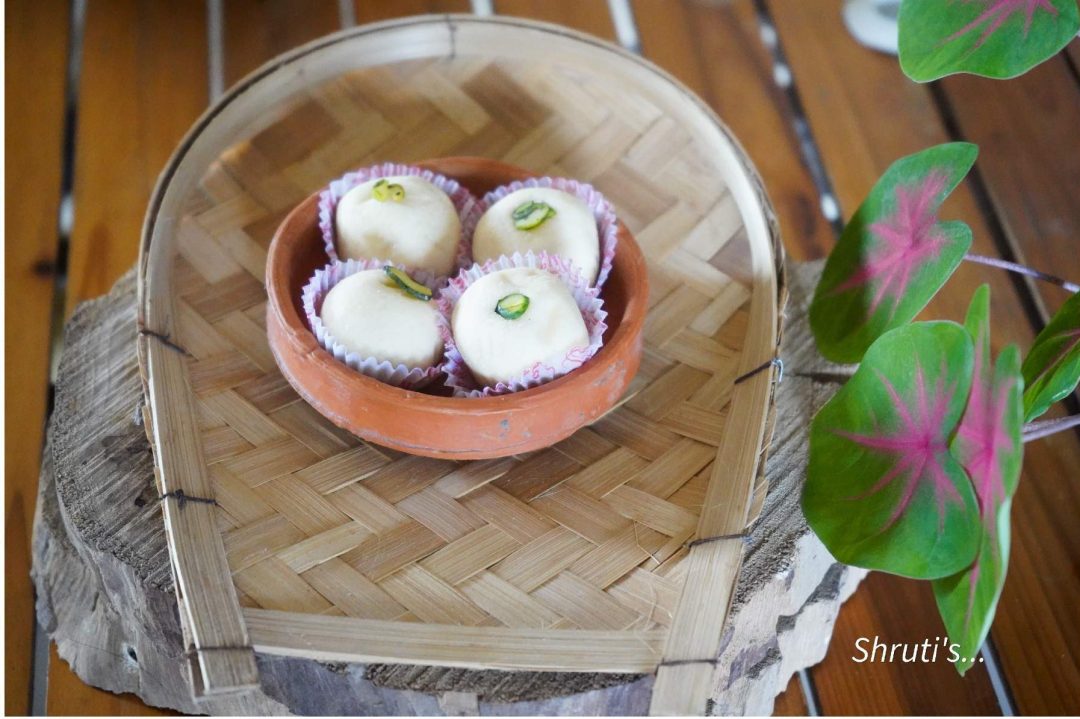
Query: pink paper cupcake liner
315, 292
606, 222
467, 205
458, 376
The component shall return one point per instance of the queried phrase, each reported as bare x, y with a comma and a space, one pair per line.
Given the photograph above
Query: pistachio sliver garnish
512, 306
531, 214
385, 190
407, 284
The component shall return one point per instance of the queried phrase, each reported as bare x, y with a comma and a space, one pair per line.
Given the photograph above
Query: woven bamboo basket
615, 550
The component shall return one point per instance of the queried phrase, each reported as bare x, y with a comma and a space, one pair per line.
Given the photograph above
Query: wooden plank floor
36, 35
849, 114
864, 115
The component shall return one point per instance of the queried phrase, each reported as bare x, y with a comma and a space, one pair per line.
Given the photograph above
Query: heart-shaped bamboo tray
616, 549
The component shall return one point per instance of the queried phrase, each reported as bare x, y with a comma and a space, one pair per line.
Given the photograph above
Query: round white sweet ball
372, 316
420, 230
498, 349
571, 231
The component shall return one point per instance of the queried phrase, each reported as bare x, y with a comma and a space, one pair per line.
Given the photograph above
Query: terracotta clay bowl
442, 426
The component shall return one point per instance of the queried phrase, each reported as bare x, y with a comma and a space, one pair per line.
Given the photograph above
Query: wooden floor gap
1071, 61
215, 48
1030, 300
809, 692
808, 147
997, 679
626, 29
1036, 313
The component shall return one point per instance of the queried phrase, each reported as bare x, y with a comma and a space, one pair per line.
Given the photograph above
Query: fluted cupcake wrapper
602, 210
458, 376
467, 206
312, 297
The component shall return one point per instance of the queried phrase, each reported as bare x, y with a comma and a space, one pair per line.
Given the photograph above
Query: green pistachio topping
407, 284
385, 190
512, 306
531, 215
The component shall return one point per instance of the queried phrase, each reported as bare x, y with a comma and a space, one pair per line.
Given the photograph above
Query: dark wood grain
143, 83
36, 34
714, 48
864, 115
257, 30
791, 702
894, 610
367, 11
1072, 51
591, 16
1027, 131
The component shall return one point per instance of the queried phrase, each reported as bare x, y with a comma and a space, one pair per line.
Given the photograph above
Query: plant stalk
1023, 270
1047, 427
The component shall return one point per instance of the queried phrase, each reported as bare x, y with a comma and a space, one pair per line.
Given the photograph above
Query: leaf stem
1047, 427
1023, 270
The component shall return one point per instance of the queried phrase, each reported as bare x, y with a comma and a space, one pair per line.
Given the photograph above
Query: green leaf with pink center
883, 490
993, 38
990, 447
894, 254
1052, 366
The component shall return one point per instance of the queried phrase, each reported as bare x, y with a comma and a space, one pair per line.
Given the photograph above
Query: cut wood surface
106, 594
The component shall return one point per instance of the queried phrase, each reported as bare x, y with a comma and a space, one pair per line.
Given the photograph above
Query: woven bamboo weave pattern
589, 534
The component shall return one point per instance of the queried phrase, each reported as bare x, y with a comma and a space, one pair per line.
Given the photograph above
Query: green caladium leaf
990, 447
994, 38
1052, 367
893, 255
882, 489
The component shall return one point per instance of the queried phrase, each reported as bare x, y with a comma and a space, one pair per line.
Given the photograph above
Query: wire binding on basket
164, 339
774, 362
679, 662
194, 651
718, 538
182, 498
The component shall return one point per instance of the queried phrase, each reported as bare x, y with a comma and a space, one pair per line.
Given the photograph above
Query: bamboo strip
353, 640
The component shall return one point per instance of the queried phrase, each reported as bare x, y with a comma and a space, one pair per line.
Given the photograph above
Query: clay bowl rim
296, 332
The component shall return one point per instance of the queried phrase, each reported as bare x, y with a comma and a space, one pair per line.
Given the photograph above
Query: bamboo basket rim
682, 679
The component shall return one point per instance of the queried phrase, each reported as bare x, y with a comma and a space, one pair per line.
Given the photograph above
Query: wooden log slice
106, 594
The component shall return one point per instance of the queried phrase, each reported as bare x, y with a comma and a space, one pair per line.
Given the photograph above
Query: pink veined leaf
999, 11
981, 440
1072, 339
989, 447
992, 38
883, 490
1052, 366
919, 444
893, 255
905, 240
